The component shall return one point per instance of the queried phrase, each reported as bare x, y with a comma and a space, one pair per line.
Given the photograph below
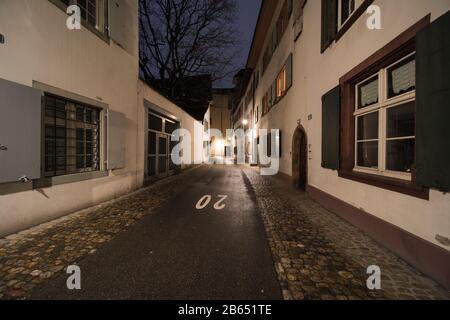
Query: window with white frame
385, 121
93, 12
346, 8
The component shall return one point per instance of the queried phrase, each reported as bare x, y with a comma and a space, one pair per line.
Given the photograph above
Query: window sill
392, 184
71, 178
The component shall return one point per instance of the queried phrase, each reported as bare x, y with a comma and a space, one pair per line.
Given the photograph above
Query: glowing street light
245, 122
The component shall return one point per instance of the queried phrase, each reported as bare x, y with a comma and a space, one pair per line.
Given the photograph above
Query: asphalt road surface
182, 252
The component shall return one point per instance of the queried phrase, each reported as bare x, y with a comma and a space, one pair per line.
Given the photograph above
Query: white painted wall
314, 75
39, 47
187, 122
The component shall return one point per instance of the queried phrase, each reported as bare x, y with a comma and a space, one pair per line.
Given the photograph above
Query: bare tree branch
182, 38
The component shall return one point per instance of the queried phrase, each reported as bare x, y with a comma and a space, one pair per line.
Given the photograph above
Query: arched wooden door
300, 158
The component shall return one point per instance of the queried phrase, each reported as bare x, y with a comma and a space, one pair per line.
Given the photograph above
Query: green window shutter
289, 7
329, 22
331, 110
274, 92
274, 38
433, 105
289, 72
270, 98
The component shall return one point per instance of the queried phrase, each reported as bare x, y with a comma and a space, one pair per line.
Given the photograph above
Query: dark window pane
49, 164
88, 115
151, 166
171, 127
49, 111
368, 154
368, 126
80, 114
155, 123
80, 147
162, 146
151, 143
89, 135
401, 121
49, 132
402, 77
60, 132
49, 147
60, 143
50, 102
80, 162
400, 155
61, 151
95, 116
173, 144
89, 148
89, 161
348, 6
60, 110
162, 163
60, 163
83, 6
368, 93
172, 165
80, 134
92, 5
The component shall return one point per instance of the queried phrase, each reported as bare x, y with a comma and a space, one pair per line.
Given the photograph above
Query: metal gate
159, 145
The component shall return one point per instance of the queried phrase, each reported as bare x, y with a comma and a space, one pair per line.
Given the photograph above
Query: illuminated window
281, 83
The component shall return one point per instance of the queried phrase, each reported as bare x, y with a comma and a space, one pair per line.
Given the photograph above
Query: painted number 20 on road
206, 199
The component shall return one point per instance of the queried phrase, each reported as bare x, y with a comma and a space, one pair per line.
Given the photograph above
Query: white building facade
349, 101
74, 118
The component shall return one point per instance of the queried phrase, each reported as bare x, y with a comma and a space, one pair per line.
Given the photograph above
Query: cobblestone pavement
31, 257
318, 255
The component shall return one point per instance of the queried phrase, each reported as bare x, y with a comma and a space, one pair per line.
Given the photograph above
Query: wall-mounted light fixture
245, 122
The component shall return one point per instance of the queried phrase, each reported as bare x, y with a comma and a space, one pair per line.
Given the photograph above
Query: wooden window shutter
329, 22
274, 92
433, 105
289, 7
331, 107
274, 38
289, 72
270, 97
121, 24
116, 146
20, 131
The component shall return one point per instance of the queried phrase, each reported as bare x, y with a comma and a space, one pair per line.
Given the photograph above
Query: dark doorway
300, 158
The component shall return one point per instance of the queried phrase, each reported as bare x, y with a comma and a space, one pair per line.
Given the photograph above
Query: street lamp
245, 122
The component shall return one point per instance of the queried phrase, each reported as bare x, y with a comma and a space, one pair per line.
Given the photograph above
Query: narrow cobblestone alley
154, 243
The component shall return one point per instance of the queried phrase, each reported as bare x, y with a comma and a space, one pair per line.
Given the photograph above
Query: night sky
247, 15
